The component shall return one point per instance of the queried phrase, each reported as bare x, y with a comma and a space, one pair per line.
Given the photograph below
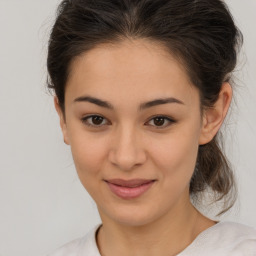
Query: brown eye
93, 120
159, 121
162, 121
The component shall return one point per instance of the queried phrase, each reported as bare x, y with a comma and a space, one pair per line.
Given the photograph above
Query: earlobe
63, 124
214, 117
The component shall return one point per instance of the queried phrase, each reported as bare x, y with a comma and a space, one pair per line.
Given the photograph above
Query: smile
129, 189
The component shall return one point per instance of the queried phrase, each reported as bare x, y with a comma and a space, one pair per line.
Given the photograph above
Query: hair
200, 33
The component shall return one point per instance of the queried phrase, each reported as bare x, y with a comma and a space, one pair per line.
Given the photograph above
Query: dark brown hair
201, 33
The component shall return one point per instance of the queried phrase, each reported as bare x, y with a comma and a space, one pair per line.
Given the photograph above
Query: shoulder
81, 246
225, 238
227, 226
236, 238
235, 233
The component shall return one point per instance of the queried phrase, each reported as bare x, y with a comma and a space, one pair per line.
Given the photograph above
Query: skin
129, 144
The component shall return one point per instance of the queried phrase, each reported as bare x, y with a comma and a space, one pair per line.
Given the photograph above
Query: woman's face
133, 122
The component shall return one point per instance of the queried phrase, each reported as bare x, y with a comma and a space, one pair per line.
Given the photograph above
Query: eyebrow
142, 106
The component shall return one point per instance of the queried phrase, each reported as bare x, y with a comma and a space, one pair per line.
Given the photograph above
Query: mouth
129, 189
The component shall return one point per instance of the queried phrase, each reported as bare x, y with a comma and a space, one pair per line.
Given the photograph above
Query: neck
168, 235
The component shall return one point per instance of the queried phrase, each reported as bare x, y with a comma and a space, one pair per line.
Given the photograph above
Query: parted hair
200, 33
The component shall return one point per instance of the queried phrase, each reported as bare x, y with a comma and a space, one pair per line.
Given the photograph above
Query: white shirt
223, 239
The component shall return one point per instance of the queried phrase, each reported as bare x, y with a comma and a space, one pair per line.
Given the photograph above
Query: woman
142, 88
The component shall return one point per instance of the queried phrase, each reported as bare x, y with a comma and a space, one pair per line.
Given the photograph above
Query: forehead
134, 56
129, 69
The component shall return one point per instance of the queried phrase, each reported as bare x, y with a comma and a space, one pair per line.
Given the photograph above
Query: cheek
176, 155
88, 154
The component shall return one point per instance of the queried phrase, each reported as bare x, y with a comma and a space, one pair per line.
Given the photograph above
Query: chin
131, 216
131, 221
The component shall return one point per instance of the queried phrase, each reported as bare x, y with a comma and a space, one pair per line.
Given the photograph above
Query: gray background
42, 202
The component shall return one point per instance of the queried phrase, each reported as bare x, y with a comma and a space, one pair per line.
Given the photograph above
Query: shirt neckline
199, 237
189, 247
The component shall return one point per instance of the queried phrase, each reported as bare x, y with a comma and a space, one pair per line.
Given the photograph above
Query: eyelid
168, 118
85, 118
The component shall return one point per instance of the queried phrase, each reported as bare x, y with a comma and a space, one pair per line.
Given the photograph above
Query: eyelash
170, 120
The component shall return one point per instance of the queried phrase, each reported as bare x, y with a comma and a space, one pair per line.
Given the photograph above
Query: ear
63, 124
214, 117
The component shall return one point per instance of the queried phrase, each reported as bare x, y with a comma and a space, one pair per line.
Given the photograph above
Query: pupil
97, 120
159, 121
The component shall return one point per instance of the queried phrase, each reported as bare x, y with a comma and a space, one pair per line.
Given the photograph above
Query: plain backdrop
42, 203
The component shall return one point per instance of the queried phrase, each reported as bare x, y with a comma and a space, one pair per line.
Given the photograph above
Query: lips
129, 189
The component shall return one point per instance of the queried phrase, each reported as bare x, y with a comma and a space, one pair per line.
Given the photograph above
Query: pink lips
129, 189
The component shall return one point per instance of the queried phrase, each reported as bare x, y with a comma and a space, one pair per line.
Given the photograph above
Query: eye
161, 122
96, 121
93, 120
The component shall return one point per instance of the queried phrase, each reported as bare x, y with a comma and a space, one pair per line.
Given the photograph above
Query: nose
126, 150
